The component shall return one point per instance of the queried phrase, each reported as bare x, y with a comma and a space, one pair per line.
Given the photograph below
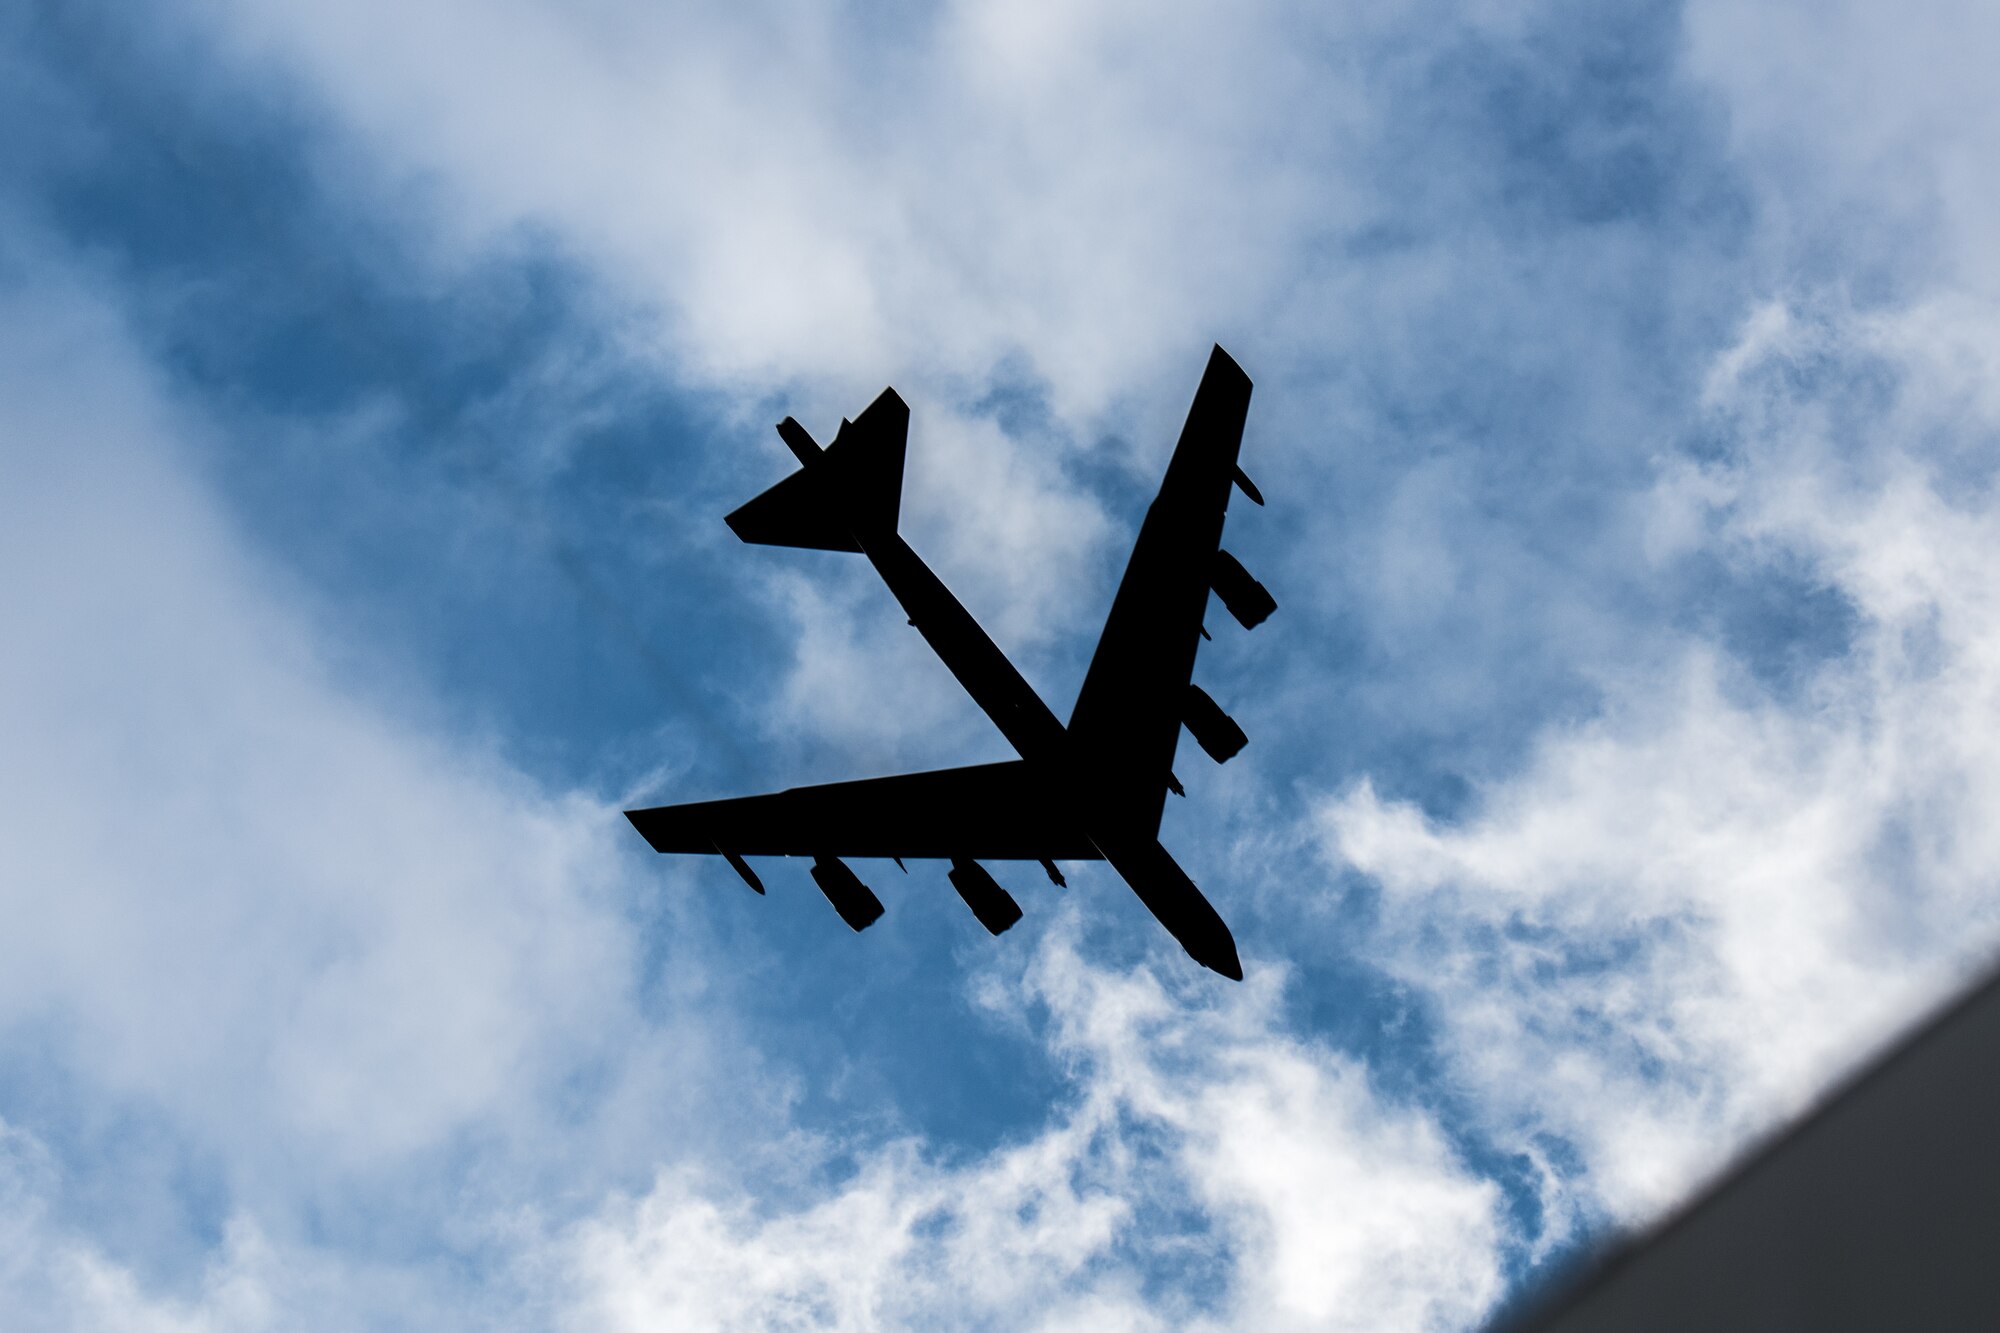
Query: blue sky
373, 379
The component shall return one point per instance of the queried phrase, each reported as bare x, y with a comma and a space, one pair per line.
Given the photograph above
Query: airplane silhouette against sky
1092, 790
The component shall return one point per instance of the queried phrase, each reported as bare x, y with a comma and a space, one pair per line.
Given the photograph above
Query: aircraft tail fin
839, 495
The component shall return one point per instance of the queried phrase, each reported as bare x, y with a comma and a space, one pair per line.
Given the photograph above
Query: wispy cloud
260, 915
1683, 917
1209, 1170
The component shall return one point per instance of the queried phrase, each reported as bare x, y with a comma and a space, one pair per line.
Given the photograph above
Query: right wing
988, 812
1135, 695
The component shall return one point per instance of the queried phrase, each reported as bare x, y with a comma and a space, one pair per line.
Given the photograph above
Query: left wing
1136, 693
988, 812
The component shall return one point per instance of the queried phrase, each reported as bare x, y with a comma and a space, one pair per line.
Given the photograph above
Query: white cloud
1868, 129
208, 837
1082, 194
54, 1280
55, 1276
817, 199
1322, 1204
1685, 915
268, 908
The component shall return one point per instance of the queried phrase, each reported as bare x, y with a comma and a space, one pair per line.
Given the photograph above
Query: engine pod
1248, 600
857, 905
1214, 730
993, 905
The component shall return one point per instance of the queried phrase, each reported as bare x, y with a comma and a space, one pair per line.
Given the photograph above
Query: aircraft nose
1225, 961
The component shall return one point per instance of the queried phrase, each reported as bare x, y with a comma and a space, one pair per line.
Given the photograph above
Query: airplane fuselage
1027, 722
968, 652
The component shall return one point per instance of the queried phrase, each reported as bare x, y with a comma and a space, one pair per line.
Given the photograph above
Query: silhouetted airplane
1089, 791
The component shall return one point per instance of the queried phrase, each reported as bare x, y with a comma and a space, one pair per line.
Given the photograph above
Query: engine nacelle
993, 905
1248, 600
857, 906
1214, 730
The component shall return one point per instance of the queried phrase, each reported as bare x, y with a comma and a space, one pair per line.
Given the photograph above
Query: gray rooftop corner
1878, 1211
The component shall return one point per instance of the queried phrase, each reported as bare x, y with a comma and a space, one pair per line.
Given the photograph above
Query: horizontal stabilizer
795, 512
840, 495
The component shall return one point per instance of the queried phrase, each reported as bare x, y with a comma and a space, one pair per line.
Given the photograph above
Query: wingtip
1222, 368
636, 819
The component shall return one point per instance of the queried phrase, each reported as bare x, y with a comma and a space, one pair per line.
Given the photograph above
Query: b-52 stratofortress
1092, 790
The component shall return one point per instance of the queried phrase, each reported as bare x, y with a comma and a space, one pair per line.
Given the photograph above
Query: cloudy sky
373, 379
